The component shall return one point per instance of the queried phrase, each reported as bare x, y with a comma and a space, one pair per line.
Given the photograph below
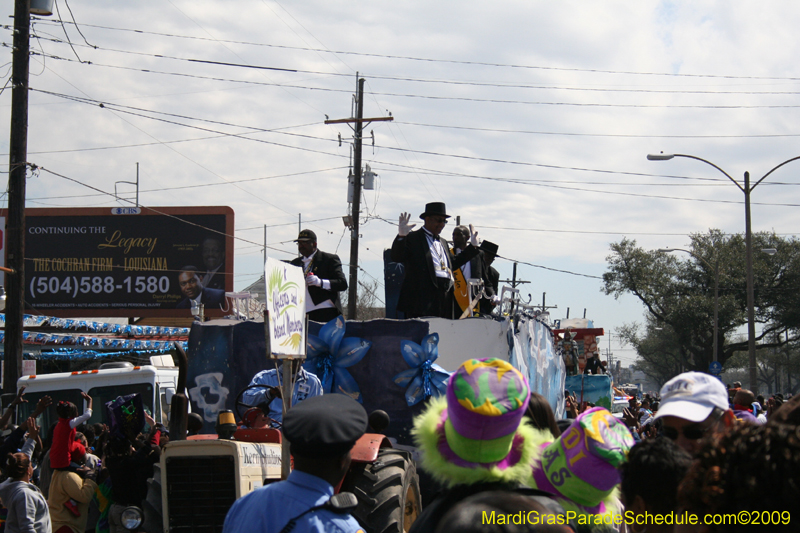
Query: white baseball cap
692, 396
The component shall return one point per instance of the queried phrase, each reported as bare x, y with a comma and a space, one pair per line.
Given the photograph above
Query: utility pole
359, 120
544, 306
352, 289
18, 166
514, 282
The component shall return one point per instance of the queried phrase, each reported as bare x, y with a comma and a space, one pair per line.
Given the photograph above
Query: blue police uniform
269, 509
306, 385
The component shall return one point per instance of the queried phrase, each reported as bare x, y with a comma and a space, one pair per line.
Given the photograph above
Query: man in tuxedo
191, 285
324, 278
428, 283
489, 250
474, 268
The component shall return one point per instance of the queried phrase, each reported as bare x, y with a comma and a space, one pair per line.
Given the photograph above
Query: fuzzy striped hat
475, 432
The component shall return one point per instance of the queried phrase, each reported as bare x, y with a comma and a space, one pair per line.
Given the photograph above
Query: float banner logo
286, 304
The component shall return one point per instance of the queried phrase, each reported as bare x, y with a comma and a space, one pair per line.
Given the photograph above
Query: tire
153, 516
387, 492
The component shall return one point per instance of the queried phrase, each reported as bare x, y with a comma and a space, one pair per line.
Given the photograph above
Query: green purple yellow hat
581, 465
486, 400
474, 433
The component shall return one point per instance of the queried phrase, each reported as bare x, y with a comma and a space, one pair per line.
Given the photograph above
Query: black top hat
435, 209
306, 235
488, 246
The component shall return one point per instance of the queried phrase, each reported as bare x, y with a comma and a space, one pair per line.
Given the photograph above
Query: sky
531, 120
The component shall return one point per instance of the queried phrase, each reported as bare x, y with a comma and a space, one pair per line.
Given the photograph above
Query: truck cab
155, 384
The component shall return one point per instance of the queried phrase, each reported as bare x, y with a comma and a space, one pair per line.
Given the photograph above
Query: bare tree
369, 305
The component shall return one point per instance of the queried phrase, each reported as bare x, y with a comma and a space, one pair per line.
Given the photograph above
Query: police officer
322, 430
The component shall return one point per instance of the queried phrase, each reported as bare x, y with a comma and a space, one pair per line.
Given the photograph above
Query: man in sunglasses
693, 405
427, 288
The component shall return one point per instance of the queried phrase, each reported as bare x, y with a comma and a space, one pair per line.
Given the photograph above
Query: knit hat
474, 433
581, 465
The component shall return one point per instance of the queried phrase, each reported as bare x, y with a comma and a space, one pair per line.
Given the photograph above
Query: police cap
326, 425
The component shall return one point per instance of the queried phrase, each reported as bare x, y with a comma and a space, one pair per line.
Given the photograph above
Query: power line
436, 60
433, 81
447, 98
621, 135
550, 268
531, 183
123, 109
201, 185
153, 209
578, 232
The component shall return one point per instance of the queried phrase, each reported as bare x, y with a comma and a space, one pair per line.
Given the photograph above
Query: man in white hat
693, 405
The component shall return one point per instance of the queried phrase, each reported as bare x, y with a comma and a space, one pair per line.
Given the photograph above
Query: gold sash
460, 288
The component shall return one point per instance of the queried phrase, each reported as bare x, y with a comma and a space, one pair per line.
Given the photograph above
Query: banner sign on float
286, 303
128, 261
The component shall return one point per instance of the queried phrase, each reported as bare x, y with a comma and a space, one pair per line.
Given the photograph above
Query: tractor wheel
387, 491
153, 516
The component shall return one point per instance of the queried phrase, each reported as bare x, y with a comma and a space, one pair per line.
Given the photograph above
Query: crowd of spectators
722, 455
79, 478
698, 457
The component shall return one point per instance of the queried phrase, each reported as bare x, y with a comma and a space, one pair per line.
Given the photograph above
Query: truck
156, 383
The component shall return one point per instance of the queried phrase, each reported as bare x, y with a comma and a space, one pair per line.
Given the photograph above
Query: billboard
128, 261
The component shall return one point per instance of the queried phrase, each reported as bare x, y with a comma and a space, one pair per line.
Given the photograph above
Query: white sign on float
286, 304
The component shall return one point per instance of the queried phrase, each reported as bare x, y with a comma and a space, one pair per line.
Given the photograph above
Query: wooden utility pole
359, 120
15, 224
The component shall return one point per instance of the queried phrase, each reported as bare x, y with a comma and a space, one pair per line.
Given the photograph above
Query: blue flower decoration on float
425, 378
331, 353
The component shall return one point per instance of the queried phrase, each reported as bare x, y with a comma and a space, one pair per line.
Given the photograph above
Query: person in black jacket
324, 278
129, 470
428, 283
475, 268
489, 250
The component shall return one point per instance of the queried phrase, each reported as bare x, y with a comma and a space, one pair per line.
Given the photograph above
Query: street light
746, 189
715, 267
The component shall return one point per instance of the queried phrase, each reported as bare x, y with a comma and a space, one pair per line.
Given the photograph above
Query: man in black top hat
322, 430
489, 250
428, 282
324, 278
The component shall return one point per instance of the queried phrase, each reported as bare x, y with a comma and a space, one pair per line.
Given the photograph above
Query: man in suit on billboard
213, 251
428, 284
324, 278
191, 284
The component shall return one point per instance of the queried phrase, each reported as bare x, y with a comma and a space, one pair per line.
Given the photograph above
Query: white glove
403, 227
473, 237
495, 299
313, 280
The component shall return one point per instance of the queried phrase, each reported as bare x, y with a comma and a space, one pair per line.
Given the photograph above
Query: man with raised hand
428, 283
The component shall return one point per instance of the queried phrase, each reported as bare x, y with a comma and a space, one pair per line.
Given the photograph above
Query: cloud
564, 100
